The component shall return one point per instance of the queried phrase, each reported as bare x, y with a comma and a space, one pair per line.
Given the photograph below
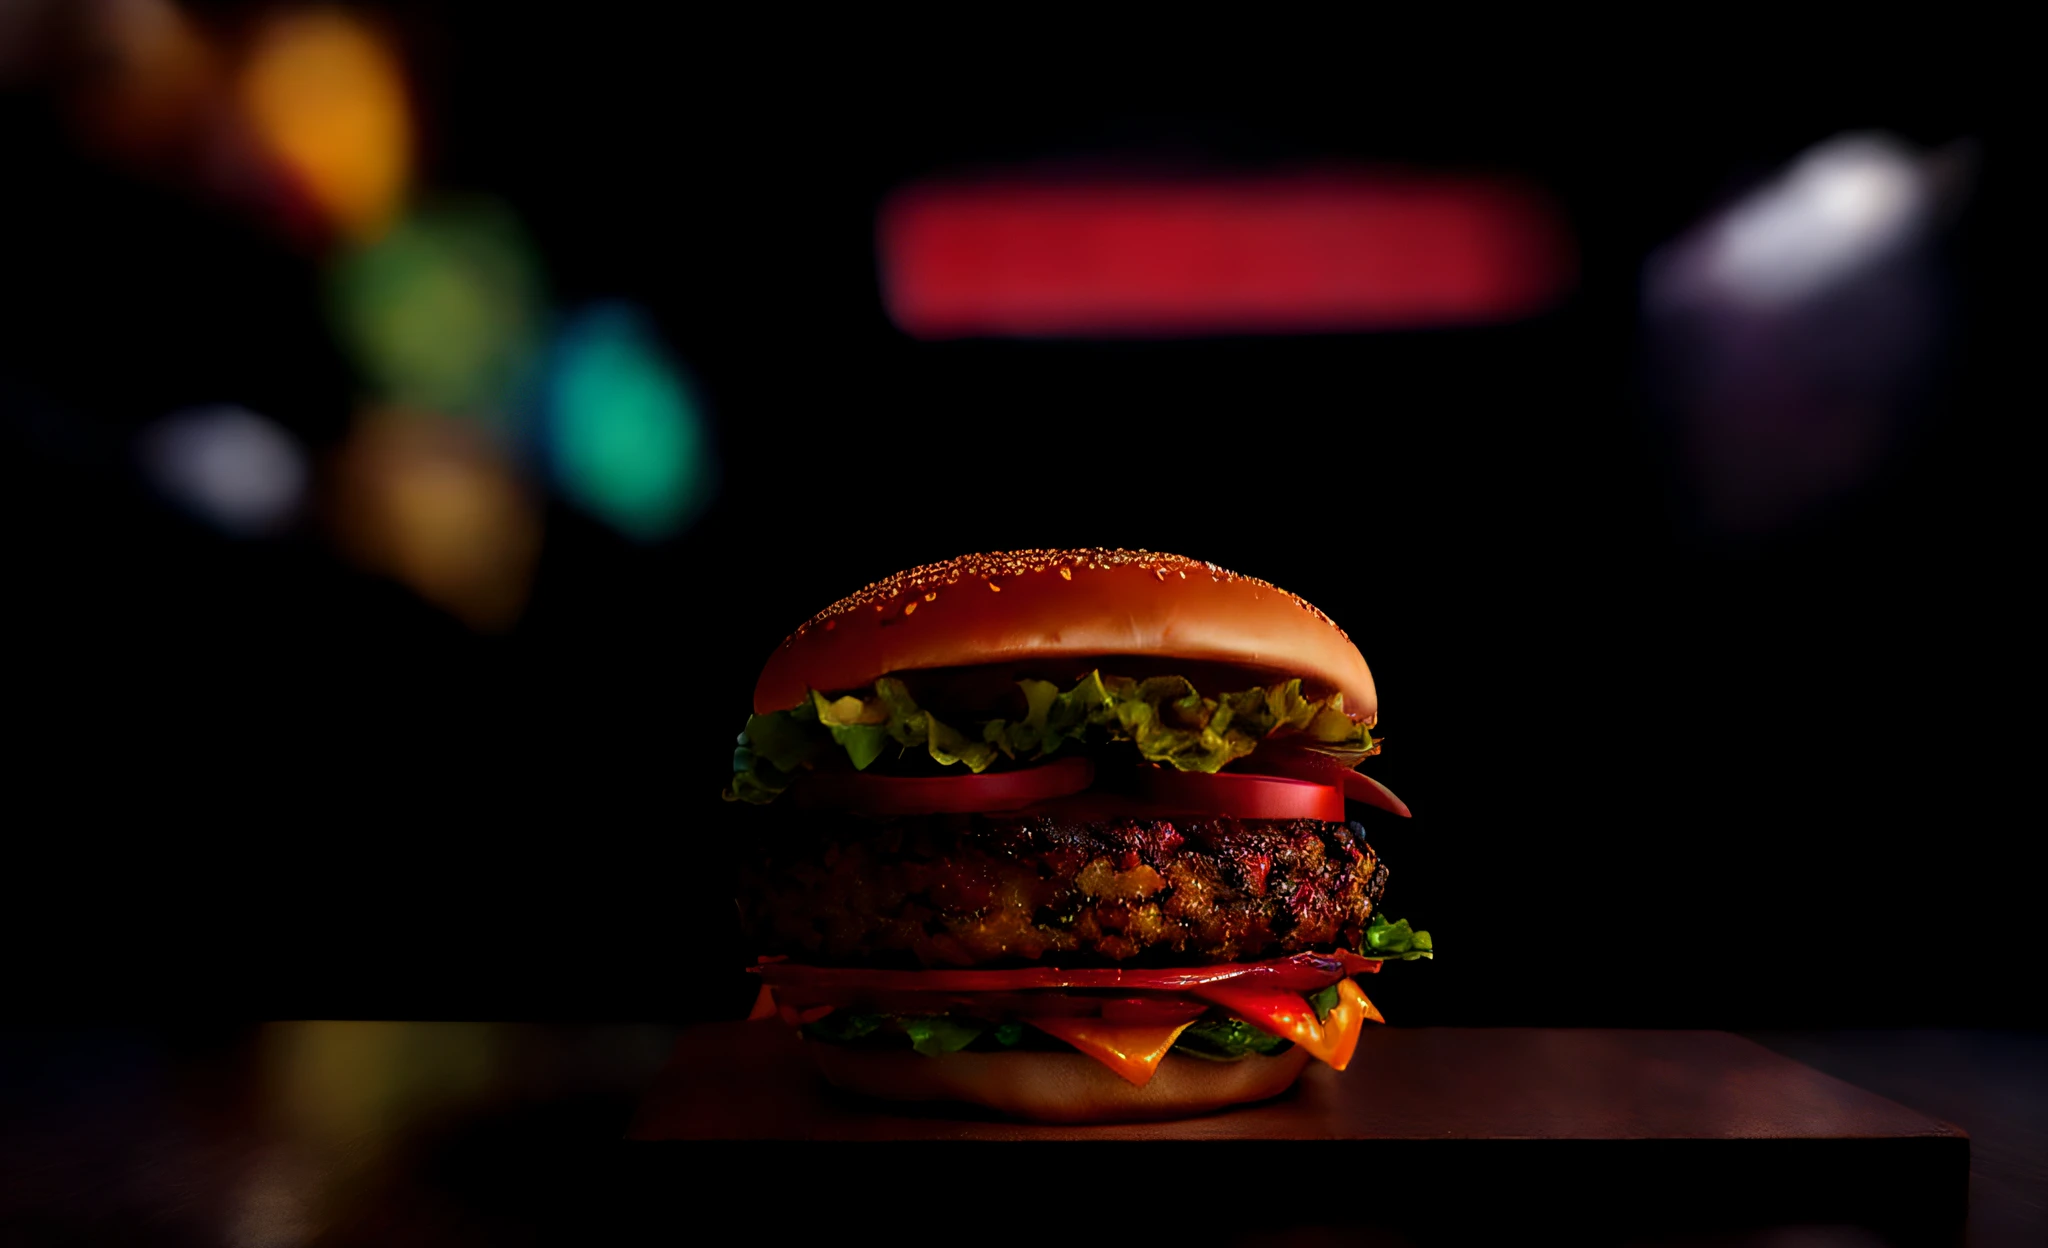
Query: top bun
1053, 604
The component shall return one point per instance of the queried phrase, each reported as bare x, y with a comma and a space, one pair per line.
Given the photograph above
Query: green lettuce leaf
1227, 1040
929, 1034
1395, 941
900, 714
756, 782
938, 1033
1216, 1039
949, 746
842, 1026
856, 727
1031, 737
1171, 723
1165, 718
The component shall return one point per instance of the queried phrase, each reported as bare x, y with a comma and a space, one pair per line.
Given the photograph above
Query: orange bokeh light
431, 503
325, 94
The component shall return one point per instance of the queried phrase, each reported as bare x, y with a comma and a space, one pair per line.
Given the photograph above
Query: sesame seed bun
1034, 605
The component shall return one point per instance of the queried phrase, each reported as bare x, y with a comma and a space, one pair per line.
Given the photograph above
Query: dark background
1662, 776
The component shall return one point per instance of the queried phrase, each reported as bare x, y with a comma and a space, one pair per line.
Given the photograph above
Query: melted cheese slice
1133, 1051
1347, 1018
1289, 1015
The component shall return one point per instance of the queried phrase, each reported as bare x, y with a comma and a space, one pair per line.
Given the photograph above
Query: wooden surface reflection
739, 1081
401, 1133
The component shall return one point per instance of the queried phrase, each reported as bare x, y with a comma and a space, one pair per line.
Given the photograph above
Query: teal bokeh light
623, 436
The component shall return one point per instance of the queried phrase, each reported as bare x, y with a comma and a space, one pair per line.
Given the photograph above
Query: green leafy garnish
929, 1034
1228, 1039
1322, 1002
855, 727
1166, 718
938, 1034
1395, 941
841, 1026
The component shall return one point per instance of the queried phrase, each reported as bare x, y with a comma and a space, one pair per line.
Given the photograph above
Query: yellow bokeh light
357, 1083
433, 504
325, 95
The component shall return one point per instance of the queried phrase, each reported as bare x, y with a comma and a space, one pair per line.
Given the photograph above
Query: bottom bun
1058, 1087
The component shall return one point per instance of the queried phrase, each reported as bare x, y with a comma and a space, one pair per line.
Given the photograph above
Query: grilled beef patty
989, 890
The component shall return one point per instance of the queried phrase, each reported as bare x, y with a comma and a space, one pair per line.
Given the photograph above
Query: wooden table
515, 1133
1431, 1128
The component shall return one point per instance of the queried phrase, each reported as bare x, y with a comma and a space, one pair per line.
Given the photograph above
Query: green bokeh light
443, 312
624, 436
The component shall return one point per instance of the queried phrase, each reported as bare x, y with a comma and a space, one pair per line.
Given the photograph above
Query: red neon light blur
1314, 253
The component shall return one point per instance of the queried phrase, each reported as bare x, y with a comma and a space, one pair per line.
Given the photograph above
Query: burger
1069, 835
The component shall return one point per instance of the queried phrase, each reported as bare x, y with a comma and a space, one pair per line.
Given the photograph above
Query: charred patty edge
989, 891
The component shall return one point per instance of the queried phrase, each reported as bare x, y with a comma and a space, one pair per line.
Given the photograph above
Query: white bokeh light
227, 465
1846, 205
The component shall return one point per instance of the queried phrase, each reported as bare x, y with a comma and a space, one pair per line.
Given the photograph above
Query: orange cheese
1289, 1015
1347, 1019
1132, 1050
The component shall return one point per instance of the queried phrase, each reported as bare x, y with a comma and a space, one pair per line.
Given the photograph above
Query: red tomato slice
1245, 796
1359, 787
1303, 972
1301, 764
1151, 1011
1282, 1013
942, 795
1289, 1015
